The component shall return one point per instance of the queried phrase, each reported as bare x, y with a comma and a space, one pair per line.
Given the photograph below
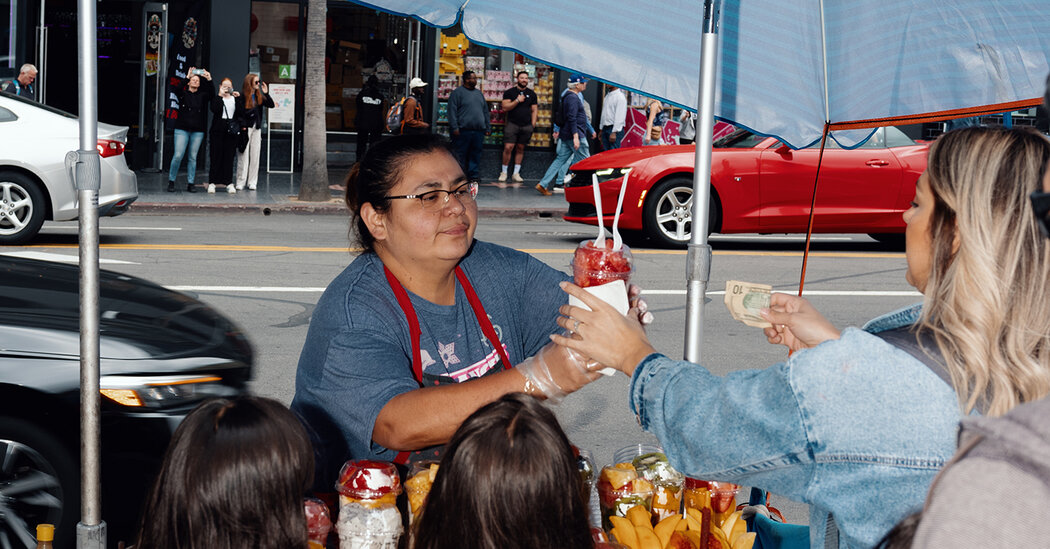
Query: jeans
607, 143
182, 138
564, 156
468, 150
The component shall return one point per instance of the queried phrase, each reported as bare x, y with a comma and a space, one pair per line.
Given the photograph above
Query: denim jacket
854, 427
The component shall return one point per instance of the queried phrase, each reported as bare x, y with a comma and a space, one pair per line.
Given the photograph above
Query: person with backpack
857, 423
406, 116
368, 121
571, 120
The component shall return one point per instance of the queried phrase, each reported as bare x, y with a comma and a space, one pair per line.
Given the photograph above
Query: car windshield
38, 105
739, 139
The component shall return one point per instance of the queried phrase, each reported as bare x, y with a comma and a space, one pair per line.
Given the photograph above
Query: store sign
283, 111
286, 72
634, 130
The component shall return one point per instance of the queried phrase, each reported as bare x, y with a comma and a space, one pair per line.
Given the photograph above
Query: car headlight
161, 391
608, 174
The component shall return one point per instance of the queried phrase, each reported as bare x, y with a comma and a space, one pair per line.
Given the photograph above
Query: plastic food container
420, 479
619, 489
652, 465
719, 497
318, 522
368, 515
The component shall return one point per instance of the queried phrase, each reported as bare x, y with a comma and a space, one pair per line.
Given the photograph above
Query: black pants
223, 150
365, 139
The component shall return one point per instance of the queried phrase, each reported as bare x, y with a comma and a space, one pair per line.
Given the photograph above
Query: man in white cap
412, 110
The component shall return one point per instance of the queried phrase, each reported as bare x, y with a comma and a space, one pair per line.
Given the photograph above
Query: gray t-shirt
358, 351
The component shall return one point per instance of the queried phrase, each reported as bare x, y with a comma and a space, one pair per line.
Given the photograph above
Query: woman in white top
227, 112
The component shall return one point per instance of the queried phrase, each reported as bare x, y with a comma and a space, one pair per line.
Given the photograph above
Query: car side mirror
783, 150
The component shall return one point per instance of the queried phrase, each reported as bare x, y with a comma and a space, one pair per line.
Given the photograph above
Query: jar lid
713, 485
45, 532
368, 479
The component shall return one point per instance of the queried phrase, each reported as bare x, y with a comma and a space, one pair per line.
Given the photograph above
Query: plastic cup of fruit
619, 489
318, 521
652, 465
420, 478
368, 515
603, 272
719, 497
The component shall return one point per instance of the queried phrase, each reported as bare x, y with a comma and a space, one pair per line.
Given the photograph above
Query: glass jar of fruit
368, 515
719, 497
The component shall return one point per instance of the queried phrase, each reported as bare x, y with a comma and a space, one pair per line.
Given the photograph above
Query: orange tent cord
812, 207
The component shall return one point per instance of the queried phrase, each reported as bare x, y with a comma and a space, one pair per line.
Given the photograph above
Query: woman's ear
374, 220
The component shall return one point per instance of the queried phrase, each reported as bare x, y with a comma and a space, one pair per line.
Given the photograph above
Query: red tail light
110, 147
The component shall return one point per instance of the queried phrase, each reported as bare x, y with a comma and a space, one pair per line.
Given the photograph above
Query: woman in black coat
193, 93
228, 114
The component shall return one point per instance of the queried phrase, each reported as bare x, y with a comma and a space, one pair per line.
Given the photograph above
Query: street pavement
279, 192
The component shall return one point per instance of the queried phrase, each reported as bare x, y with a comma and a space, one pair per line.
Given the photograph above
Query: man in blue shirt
468, 122
570, 135
23, 85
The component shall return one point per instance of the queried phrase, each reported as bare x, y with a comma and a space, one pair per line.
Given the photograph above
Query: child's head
509, 478
234, 475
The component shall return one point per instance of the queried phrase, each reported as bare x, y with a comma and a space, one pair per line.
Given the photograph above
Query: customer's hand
556, 371
635, 301
796, 323
602, 333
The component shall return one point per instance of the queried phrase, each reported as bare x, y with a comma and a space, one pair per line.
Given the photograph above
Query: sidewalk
279, 192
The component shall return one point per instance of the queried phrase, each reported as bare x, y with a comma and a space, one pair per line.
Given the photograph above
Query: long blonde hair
987, 303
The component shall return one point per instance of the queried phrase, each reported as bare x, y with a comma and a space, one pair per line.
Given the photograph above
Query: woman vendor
427, 324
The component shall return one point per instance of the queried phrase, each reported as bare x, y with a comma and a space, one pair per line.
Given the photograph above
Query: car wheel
38, 484
668, 214
21, 208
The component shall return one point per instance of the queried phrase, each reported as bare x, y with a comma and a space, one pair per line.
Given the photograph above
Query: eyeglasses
1041, 207
256, 83
432, 202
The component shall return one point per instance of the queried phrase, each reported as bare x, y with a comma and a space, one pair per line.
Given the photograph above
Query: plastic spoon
600, 241
617, 240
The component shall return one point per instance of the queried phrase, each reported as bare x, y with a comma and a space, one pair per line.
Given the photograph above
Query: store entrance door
148, 151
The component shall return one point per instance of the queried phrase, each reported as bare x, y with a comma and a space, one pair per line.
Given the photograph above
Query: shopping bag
772, 534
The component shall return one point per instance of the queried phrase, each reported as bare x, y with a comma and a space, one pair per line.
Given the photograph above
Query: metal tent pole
698, 265
91, 530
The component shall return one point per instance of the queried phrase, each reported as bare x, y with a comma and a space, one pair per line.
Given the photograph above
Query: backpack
395, 116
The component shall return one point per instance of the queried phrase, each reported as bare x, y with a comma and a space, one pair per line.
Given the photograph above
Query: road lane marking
319, 289
108, 228
532, 251
63, 258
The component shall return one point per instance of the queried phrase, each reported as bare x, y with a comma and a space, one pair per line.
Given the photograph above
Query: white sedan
34, 183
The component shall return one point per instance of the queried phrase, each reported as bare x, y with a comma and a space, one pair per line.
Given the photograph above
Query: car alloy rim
30, 494
16, 208
674, 213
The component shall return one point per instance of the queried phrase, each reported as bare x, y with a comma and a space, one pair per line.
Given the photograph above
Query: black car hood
39, 315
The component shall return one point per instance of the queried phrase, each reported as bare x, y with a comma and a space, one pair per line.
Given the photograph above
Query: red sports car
759, 186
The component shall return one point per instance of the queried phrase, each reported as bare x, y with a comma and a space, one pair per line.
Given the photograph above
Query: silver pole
162, 92
91, 530
41, 59
698, 265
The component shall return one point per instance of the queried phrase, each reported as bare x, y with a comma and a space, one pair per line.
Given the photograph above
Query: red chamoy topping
367, 479
593, 266
318, 519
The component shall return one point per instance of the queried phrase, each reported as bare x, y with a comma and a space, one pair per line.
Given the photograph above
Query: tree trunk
314, 182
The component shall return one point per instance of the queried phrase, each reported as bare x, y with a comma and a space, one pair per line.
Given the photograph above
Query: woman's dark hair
508, 480
372, 177
234, 475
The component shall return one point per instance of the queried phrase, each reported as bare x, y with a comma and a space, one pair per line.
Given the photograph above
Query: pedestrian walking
614, 117
570, 137
193, 94
226, 121
412, 111
656, 118
468, 122
687, 129
256, 94
368, 121
520, 105
22, 85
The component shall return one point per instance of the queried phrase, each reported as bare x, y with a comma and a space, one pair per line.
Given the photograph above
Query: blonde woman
857, 423
256, 98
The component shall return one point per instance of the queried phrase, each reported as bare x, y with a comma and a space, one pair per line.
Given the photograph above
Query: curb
320, 208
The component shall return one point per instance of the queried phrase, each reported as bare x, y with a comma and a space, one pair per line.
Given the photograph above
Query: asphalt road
267, 272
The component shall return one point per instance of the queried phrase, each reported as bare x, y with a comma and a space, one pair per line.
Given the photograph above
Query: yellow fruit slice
694, 538
695, 513
666, 527
721, 537
620, 522
647, 539
626, 536
682, 524
745, 541
730, 522
739, 529
639, 516
620, 474
692, 523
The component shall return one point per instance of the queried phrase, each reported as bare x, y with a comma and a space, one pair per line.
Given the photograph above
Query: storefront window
362, 43
496, 71
274, 41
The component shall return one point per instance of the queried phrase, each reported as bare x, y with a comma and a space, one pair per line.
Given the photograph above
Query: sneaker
568, 177
559, 190
543, 190
230, 189
251, 187
191, 188
517, 178
502, 177
171, 186
211, 188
